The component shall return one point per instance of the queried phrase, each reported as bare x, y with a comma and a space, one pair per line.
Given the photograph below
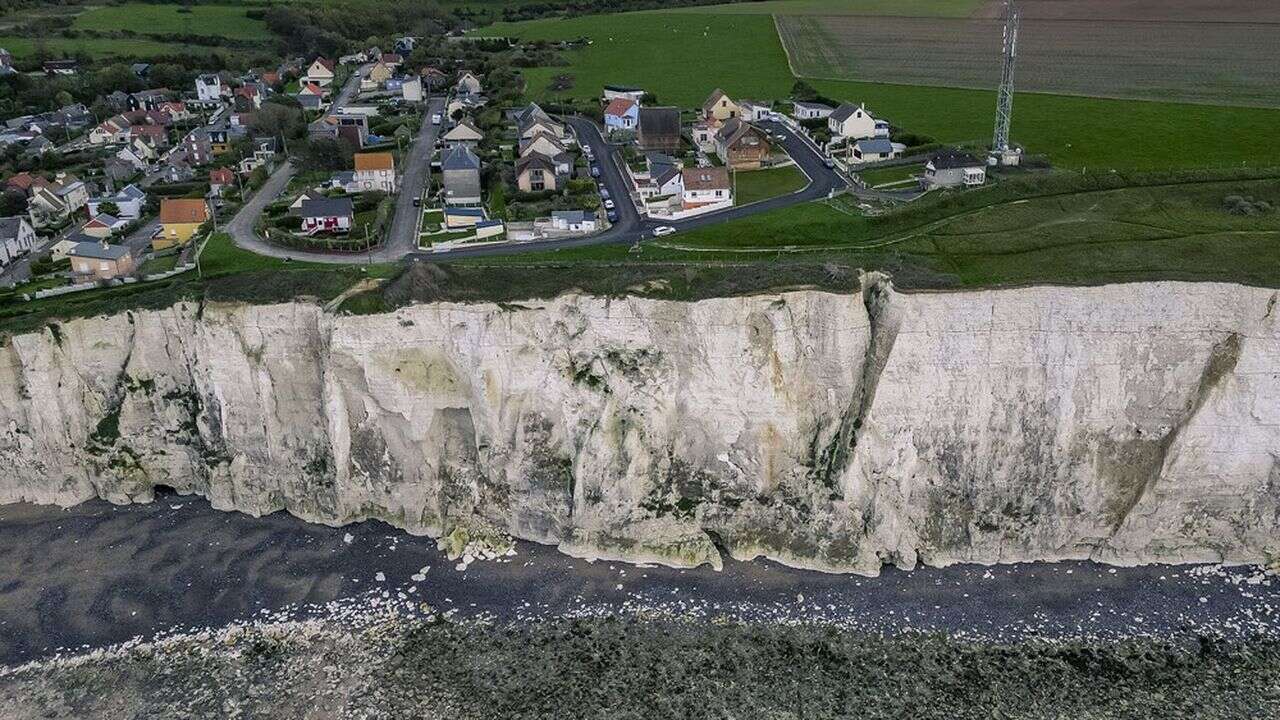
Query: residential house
705, 186
177, 170
57, 201
460, 170
810, 110
406, 44
104, 226
198, 147
704, 134
6, 63
26, 182
466, 104
623, 92
536, 172
61, 250
411, 90
209, 88
177, 111
379, 74
351, 127
111, 130
221, 137
353, 59
754, 110
950, 168
576, 221
101, 261
659, 129
17, 238
719, 106
264, 153
621, 115
542, 142
141, 70
320, 72
180, 218
148, 99
327, 215
464, 133
392, 60
376, 171
221, 180
295, 207
119, 170
247, 98
531, 120
855, 122
153, 134
344, 180
665, 177
310, 102
468, 84
872, 150
433, 78
129, 202
741, 146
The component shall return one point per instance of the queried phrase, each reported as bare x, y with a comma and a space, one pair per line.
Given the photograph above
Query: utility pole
1000, 154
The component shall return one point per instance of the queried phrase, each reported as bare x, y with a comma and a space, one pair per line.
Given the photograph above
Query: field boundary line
777, 30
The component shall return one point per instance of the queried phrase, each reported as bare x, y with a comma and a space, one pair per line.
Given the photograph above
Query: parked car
435, 119
604, 193
781, 137
417, 202
608, 205
612, 215
663, 230
829, 163
595, 171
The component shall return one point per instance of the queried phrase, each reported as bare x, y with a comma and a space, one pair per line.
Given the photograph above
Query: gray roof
326, 207
9, 227
844, 112
951, 159
660, 121
571, 216
875, 145
460, 157
811, 105
98, 251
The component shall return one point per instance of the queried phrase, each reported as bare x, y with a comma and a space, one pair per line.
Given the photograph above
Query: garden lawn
884, 176
756, 185
147, 19
680, 58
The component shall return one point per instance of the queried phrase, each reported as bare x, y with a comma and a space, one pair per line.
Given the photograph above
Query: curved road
404, 225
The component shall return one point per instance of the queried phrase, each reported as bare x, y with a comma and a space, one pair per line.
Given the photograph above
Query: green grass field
902, 8
1074, 235
681, 57
96, 47
210, 20
885, 176
756, 185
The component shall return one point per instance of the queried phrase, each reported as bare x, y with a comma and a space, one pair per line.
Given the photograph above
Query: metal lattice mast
1004, 96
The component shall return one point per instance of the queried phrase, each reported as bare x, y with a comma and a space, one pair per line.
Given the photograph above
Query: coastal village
131, 197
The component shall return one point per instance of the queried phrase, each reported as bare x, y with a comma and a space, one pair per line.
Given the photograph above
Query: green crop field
900, 8
209, 20
96, 47
755, 185
679, 57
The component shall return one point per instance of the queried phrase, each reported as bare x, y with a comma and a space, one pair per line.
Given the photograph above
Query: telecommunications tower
1001, 153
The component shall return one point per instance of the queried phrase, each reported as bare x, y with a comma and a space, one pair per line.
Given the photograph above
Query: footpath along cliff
1127, 423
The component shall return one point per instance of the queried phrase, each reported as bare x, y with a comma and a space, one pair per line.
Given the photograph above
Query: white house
705, 186
872, 150
17, 238
810, 110
468, 84
622, 115
573, 221
319, 73
950, 168
375, 171
855, 122
465, 132
754, 110
411, 90
209, 88
129, 203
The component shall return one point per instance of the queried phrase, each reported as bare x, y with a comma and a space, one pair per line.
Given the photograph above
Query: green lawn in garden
889, 175
756, 185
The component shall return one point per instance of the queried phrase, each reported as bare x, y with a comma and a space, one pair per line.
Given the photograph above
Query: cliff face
1128, 423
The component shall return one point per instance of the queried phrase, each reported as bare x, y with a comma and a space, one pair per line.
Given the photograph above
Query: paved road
632, 228
417, 168
404, 222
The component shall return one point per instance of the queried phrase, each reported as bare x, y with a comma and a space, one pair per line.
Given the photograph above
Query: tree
13, 202
63, 98
108, 208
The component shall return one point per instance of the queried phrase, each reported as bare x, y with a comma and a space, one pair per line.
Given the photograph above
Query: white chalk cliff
1127, 423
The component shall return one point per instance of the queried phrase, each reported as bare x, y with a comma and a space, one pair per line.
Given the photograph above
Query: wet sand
98, 574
